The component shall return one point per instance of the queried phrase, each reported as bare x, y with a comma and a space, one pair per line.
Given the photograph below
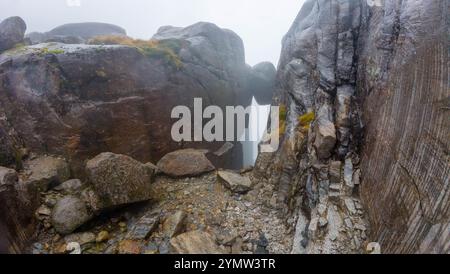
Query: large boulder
76, 33
261, 83
69, 214
12, 31
186, 162
119, 179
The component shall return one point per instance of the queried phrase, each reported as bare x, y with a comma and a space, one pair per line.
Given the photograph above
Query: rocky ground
235, 222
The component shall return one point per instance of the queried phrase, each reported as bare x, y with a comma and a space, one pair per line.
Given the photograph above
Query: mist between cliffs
242, 124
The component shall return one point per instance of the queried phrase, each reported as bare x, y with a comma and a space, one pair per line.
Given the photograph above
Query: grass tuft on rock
155, 49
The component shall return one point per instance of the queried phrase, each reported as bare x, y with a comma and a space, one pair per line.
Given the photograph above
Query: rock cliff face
76, 101
365, 85
404, 90
80, 100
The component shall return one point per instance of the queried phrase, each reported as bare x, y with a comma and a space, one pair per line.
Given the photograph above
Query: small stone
81, 238
323, 222
129, 247
236, 247
61, 249
144, 227
360, 227
348, 177
102, 236
70, 187
195, 242
150, 249
174, 224
335, 172
348, 223
164, 247
44, 210
350, 205
322, 209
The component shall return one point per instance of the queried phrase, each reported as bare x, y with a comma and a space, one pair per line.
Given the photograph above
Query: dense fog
260, 23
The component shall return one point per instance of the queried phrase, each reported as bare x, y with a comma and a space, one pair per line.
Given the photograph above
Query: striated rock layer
404, 87
364, 88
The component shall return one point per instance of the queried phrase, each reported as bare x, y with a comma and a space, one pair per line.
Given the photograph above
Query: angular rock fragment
8, 177
348, 177
325, 132
187, 162
43, 173
174, 224
119, 180
335, 172
234, 181
81, 238
195, 242
144, 227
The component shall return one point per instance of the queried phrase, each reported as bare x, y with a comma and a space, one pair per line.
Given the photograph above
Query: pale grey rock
12, 32
69, 214
81, 238
234, 181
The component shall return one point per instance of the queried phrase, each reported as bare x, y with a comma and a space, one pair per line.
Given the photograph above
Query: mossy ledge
165, 50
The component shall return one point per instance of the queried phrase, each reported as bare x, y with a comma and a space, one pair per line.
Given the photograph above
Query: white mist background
260, 23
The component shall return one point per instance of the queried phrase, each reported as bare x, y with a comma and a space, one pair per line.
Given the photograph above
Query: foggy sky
260, 23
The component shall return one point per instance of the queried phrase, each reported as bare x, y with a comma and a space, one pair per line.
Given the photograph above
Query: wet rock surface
360, 171
12, 31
